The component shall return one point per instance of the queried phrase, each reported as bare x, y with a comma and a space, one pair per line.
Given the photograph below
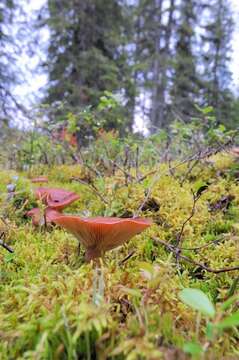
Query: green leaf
197, 300
221, 128
207, 110
230, 321
204, 111
192, 348
201, 189
226, 304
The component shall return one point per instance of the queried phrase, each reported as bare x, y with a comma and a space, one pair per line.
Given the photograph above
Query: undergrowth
46, 309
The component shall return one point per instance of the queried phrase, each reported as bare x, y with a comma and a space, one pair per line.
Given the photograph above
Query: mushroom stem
98, 284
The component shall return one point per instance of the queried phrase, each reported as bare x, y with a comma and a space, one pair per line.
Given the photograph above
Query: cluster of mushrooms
97, 234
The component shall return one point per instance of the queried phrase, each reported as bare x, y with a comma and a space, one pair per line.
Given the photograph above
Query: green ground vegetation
46, 288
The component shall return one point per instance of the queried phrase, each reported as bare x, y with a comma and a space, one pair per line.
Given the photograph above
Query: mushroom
42, 217
55, 198
40, 179
101, 234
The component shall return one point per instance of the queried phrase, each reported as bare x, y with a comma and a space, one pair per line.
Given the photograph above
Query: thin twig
176, 251
170, 168
179, 237
214, 242
128, 175
200, 155
196, 157
94, 170
121, 262
137, 163
191, 167
23, 206
92, 187
5, 246
146, 175
84, 162
148, 193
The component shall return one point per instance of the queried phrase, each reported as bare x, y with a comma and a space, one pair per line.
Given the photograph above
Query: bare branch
178, 254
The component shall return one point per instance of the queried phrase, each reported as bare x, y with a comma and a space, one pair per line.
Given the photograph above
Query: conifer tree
162, 66
218, 28
86, 54
186, 82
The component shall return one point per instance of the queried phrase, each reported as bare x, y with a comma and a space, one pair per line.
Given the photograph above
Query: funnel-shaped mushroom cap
100, 234
56, 198
40, 179
38, 218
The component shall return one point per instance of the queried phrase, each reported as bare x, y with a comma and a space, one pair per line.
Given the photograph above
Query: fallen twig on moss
121, 262
214, 242
177, 252
5, 246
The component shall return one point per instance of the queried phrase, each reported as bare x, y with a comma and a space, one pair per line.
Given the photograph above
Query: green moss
220, 227
46, 309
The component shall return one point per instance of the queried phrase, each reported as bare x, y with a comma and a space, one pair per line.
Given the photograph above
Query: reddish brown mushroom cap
37, 216
40, 179
101, 234
56, 198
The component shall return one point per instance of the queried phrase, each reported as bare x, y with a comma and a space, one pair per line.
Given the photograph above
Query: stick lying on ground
5, 246
177, 252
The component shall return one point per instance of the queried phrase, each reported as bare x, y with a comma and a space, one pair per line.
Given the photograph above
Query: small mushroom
38, 218
54, 198
40, 179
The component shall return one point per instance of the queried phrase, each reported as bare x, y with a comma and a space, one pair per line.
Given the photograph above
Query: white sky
235, 44
33, 83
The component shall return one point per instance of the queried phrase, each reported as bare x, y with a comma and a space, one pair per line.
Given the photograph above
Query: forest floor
46, 307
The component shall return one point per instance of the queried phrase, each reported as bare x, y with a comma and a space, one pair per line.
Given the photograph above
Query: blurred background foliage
115, 72
123, 65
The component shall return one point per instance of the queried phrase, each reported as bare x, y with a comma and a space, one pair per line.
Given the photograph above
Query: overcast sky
235, 44
33, 83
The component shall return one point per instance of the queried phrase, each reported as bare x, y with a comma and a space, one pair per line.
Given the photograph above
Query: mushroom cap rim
104, 220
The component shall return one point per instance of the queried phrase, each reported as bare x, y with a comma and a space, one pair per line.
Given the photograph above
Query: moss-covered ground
46, 288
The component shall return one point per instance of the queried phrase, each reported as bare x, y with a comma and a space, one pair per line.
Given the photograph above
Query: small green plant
217, 320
